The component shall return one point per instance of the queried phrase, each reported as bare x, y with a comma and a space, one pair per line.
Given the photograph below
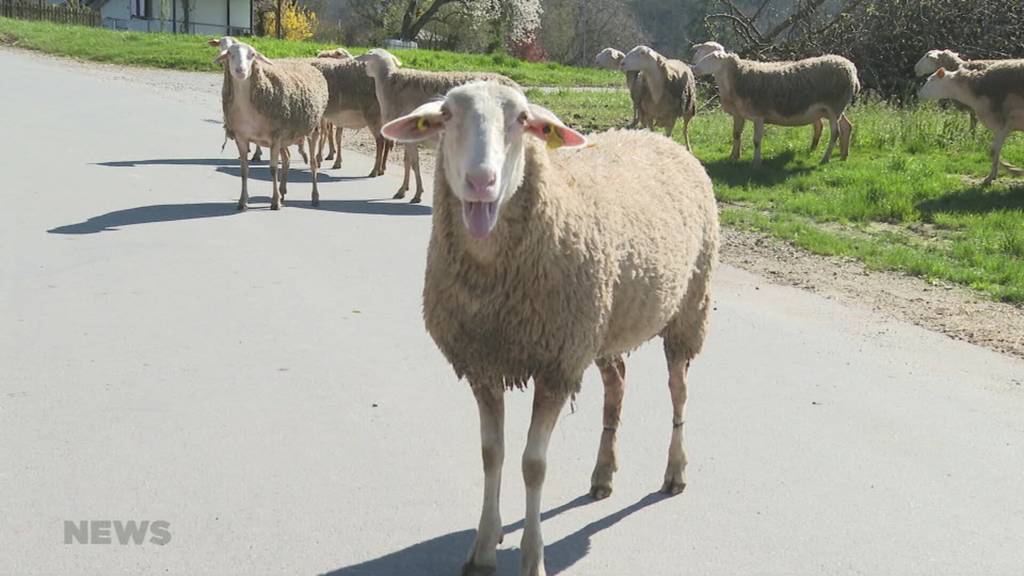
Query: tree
297, 23
408, 18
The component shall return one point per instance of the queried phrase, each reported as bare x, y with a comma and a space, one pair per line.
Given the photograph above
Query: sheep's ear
221, 58
424, 122
213, 42
543, 124
263, 59
940, 73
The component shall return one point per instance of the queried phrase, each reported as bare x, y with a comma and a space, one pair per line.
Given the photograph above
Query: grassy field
183, 52
908, 198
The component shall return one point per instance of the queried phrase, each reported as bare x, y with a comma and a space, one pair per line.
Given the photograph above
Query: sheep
400, 91
995, 94
611, 59
353, 104
951, 61
703, 49
672, 87
785, 93
329, 133
271, 105
539, 264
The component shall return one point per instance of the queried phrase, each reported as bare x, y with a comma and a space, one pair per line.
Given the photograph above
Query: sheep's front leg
378, 156
833, 136
675, 472
547, 404
670, 127
737, 133
275, 199
758, 135
257, 155
998, 138
974, 120
243, 160
845, 132
314, 165
817, 127
613, 373
282, 174
483, 558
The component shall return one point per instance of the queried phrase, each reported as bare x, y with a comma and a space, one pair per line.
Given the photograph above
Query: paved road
263, 383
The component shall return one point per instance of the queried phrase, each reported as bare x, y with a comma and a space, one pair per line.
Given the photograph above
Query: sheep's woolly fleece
679, 95
293, 94
600, 250
792, 88
350, 89
996, 83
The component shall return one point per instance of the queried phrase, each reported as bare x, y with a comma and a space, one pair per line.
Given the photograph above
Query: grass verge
184, 52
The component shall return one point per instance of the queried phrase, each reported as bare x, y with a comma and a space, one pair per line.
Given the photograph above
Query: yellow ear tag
422, 124
554, 139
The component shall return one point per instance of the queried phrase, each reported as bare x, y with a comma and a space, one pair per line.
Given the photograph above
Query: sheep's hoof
316, 201
672, 487
242, 206
415, 199
275, 205
600, 492
329, 156
336, 165
399, 195
470, 569
987, 181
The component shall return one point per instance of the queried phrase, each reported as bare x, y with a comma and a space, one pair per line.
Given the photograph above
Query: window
142, 9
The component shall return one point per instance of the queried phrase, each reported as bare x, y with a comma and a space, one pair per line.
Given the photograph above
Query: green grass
184, 52
908, 198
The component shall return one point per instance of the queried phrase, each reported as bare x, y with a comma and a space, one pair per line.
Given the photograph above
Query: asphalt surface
262, 383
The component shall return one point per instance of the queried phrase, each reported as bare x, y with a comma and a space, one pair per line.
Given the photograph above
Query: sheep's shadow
147, 215
446, 554
373, 206
170, 162
297, 174
975, 200
773, 170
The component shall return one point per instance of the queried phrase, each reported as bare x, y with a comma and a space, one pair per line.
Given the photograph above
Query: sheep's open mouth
479, 218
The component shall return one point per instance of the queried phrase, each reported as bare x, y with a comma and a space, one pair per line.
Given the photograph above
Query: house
206, 17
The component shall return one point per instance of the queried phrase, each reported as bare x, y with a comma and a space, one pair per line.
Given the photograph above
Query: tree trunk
280, 28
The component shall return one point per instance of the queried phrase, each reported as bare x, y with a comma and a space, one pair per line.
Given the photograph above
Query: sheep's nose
482, 184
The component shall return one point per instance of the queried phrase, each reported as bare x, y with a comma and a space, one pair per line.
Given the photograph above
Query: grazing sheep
272, 105
611, 59
353, 105
400, 91
541, 263
995, 93
673, 90
951, 61
338, 54
703, 49
785, 93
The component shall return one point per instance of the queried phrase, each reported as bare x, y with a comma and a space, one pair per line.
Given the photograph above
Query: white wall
208, 16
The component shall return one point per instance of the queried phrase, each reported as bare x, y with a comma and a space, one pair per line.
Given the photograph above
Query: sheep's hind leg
335, 136
275, 199
257, 155
419, 177
243, 160
405, 179
817, 127
314, 165
675, 472
998, 138
547, 404
483, 558
282, 174
833, 136
613, 373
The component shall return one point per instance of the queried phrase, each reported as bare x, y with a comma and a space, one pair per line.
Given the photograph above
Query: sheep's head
640, 58
379, 62
337, 54
711, 64
483, 127
703, 49
935, 59
938, 86
609, 58
240, 59
224, 42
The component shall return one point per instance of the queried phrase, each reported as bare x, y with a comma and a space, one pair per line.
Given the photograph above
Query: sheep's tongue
480, 218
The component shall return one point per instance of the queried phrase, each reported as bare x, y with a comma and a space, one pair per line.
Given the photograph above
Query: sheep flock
551, 250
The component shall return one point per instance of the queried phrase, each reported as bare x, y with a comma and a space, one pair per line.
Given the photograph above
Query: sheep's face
379, 62
241, 59
710, 64
705, 48
337, 54
483, 126
639, 58
938, 86
609, 58
928, 63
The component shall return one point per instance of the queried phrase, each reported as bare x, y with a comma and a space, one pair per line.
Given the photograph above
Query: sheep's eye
251, 55
522, 119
